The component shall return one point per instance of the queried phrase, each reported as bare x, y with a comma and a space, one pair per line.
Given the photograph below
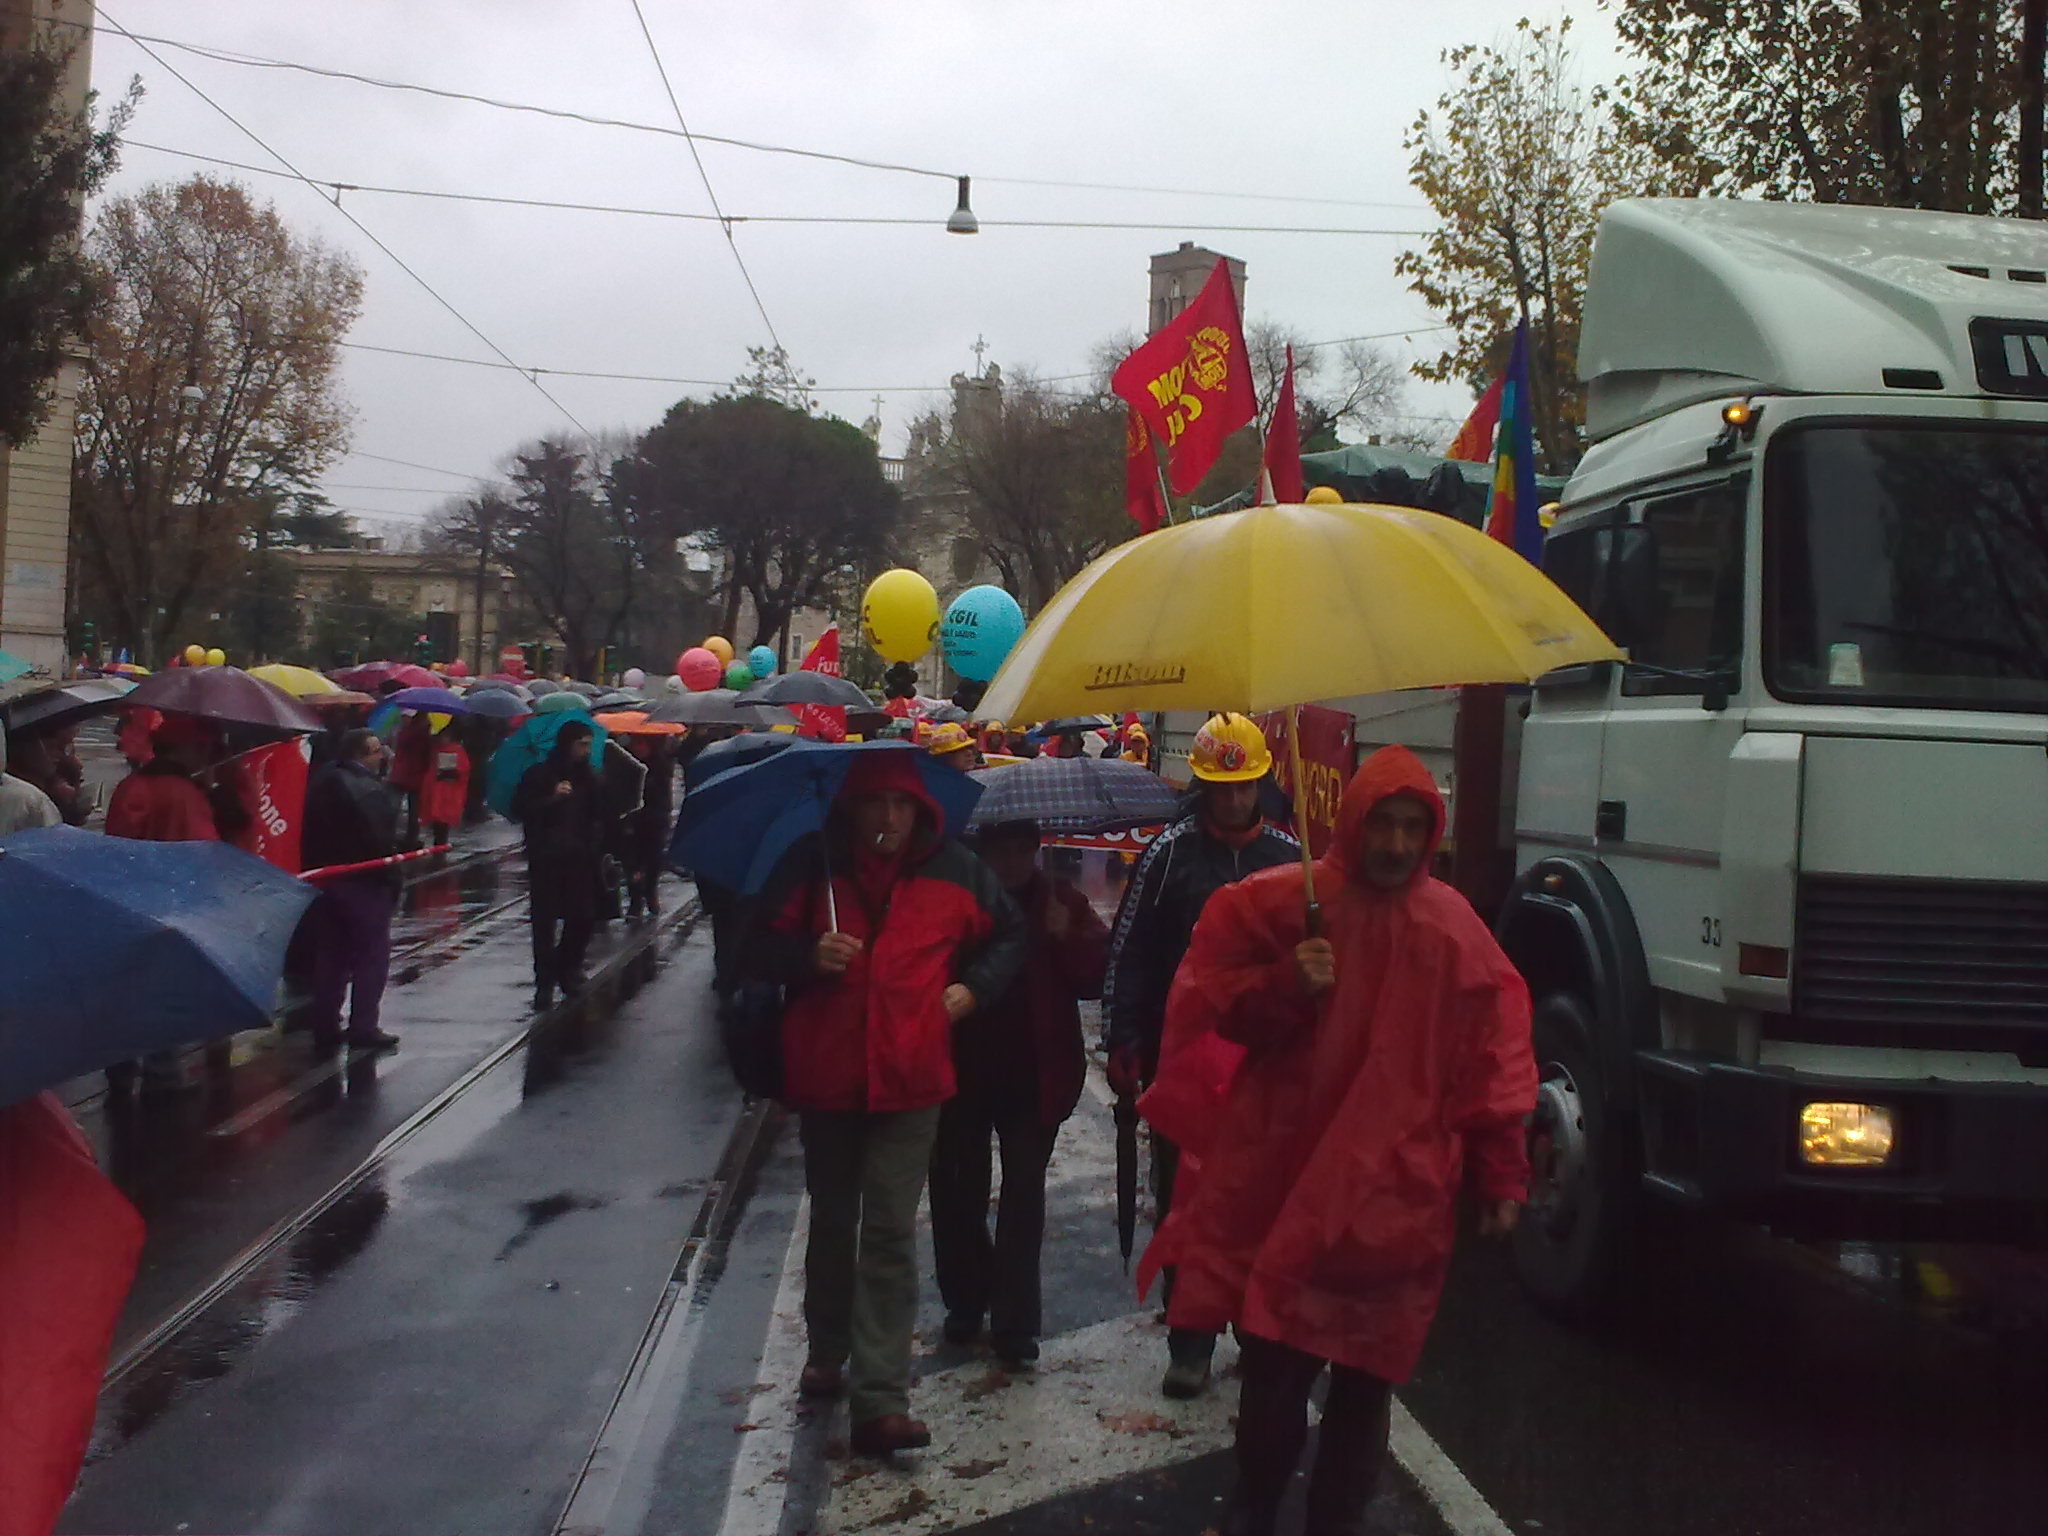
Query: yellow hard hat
1229, 749
950, 737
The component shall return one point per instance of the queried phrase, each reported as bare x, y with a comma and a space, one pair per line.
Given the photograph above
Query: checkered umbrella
1075, 794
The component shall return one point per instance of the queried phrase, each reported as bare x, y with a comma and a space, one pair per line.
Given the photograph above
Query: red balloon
458, 668
700, 669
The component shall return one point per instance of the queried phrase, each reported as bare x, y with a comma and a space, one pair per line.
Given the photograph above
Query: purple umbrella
226, 694
437, 701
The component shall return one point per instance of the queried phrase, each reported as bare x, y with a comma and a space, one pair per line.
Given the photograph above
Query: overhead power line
729, 219
731, 240
258, 61
431, 469
362, 229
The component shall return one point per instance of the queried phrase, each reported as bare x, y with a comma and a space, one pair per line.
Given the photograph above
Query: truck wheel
1569, 1244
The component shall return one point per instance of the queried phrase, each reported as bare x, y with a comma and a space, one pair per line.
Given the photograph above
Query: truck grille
1932, 963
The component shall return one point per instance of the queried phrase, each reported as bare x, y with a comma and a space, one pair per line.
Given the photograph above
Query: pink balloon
458, 668
700, 669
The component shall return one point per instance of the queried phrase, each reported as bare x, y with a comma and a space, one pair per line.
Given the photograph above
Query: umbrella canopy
1076, 725
372, 675
12, 666
555, 703
438, 701
501, 685
737, 826
225, 694
496, 704
632, 723
1075, 794
719, 706
65, 702
299, 682
541, 687
588, 690
526, 746
624, 698
1270, 607
807, 688
117, 948
341, 698
126, 669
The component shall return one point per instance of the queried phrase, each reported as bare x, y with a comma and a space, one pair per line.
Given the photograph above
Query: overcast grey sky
1301, 98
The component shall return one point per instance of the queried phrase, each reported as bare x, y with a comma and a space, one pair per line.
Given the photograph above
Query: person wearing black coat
560, 807
352, 817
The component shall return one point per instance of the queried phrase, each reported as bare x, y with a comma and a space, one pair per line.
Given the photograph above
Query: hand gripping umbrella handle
1308, 868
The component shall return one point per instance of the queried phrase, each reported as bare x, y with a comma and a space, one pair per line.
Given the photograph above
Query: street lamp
962, 220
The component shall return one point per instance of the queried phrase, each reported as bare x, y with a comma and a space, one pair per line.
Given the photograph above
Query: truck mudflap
1970, 1159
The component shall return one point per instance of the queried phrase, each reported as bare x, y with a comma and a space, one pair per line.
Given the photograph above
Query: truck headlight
1845, 1135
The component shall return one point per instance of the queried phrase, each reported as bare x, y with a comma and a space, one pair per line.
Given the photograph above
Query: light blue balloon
761, 661
979, 629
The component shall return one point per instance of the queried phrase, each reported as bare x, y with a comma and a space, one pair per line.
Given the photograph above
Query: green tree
1518, 159
786, 498
1912, 104
354, 625
210, 385
51, 160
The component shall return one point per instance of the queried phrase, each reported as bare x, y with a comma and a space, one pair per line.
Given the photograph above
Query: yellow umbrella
299, 682
1278, 605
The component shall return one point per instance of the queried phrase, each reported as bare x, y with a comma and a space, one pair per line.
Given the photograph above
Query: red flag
827, 722
68, 1245
1191, 381
1283, 442
1142, 497
1474, 442
274, 786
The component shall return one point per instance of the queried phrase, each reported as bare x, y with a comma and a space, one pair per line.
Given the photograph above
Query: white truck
1782, 878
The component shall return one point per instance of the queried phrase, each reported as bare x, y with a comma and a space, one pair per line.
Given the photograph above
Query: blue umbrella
528, 745
116, 948
735, 752
433, 701
497, 704
736, 826
12, 666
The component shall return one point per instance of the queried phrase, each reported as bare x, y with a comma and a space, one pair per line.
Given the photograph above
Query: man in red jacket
886, 934
1020, 1063
161, 802
1386, 1069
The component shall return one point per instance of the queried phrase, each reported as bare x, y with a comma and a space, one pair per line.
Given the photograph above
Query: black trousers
1272, 1429
979, 1275
563, 905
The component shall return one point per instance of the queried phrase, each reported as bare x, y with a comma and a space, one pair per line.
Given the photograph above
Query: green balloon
739, 675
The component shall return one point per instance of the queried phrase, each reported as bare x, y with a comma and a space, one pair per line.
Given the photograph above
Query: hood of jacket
875, 773
1390, 771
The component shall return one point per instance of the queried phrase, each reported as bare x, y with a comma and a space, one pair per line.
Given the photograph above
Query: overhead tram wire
773, 218
397, 260
731, 240
257, 61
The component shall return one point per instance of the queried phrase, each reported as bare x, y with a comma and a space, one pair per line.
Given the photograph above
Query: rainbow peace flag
1511, 511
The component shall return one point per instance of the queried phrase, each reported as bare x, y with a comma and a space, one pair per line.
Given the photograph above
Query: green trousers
865, 1174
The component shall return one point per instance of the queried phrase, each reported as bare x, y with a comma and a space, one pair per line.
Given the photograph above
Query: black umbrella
736, 752
1126, 1177
718, 706
1075, 725
542, 686
66, 702
224, 694
625, 698
1076, 794
588, 690
807, 688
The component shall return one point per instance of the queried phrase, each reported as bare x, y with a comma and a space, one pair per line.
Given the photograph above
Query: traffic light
89, 638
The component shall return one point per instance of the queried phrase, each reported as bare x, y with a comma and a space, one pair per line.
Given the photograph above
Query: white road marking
760, 1472
1463, 1508
1090, 1413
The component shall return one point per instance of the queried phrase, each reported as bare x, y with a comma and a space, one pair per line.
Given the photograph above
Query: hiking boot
1018, 1351
1187, 1372
890, 1433
821, 1380
962, 1327
369, 1042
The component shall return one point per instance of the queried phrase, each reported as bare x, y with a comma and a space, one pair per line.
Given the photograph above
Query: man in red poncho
1386, 1068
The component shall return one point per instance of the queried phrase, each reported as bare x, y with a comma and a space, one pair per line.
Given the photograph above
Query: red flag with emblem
1143, 498
1191, 382
827, 722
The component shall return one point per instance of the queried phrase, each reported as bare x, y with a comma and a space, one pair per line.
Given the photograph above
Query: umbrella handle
1308, 870
831, 899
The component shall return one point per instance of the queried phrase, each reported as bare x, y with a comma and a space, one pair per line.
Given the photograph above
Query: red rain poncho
1324, 1212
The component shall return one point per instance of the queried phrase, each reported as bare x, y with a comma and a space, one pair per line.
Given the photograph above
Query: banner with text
1329, 754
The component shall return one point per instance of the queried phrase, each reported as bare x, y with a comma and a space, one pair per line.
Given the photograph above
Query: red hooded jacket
876, 1038
1324, 1215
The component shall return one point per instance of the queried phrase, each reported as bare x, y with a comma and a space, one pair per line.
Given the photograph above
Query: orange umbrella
632, 723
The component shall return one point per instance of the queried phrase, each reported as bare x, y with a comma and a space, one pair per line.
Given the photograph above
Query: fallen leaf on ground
973, 1469
1141, 1424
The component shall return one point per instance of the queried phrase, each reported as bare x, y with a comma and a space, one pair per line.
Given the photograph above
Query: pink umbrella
370, 676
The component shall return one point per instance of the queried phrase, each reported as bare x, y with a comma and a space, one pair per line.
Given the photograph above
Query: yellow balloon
1320, 495
216, 657
901, 615
195, 655
720, 647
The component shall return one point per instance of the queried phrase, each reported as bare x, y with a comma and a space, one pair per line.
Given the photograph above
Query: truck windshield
1908, 564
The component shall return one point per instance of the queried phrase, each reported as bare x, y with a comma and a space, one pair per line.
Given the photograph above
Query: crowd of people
1325, 1083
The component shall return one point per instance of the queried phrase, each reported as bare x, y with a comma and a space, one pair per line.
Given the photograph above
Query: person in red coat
1020, 1063
444, 790
914, 936
1386, 1070
161, 802
412, 752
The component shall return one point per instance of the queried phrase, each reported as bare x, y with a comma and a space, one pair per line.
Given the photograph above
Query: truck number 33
1710, 931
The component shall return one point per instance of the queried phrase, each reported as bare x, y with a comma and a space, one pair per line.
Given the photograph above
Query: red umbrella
372, 675
225, 694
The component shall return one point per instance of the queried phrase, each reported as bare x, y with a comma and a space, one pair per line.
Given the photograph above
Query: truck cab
1782, 878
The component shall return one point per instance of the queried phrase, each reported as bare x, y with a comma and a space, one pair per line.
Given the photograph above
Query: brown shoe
820, 1380
890, 1433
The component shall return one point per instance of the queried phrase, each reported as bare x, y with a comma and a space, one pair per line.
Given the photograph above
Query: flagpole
1308, 868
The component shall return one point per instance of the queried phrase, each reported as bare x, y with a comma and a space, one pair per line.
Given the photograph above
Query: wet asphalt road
403, 1364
